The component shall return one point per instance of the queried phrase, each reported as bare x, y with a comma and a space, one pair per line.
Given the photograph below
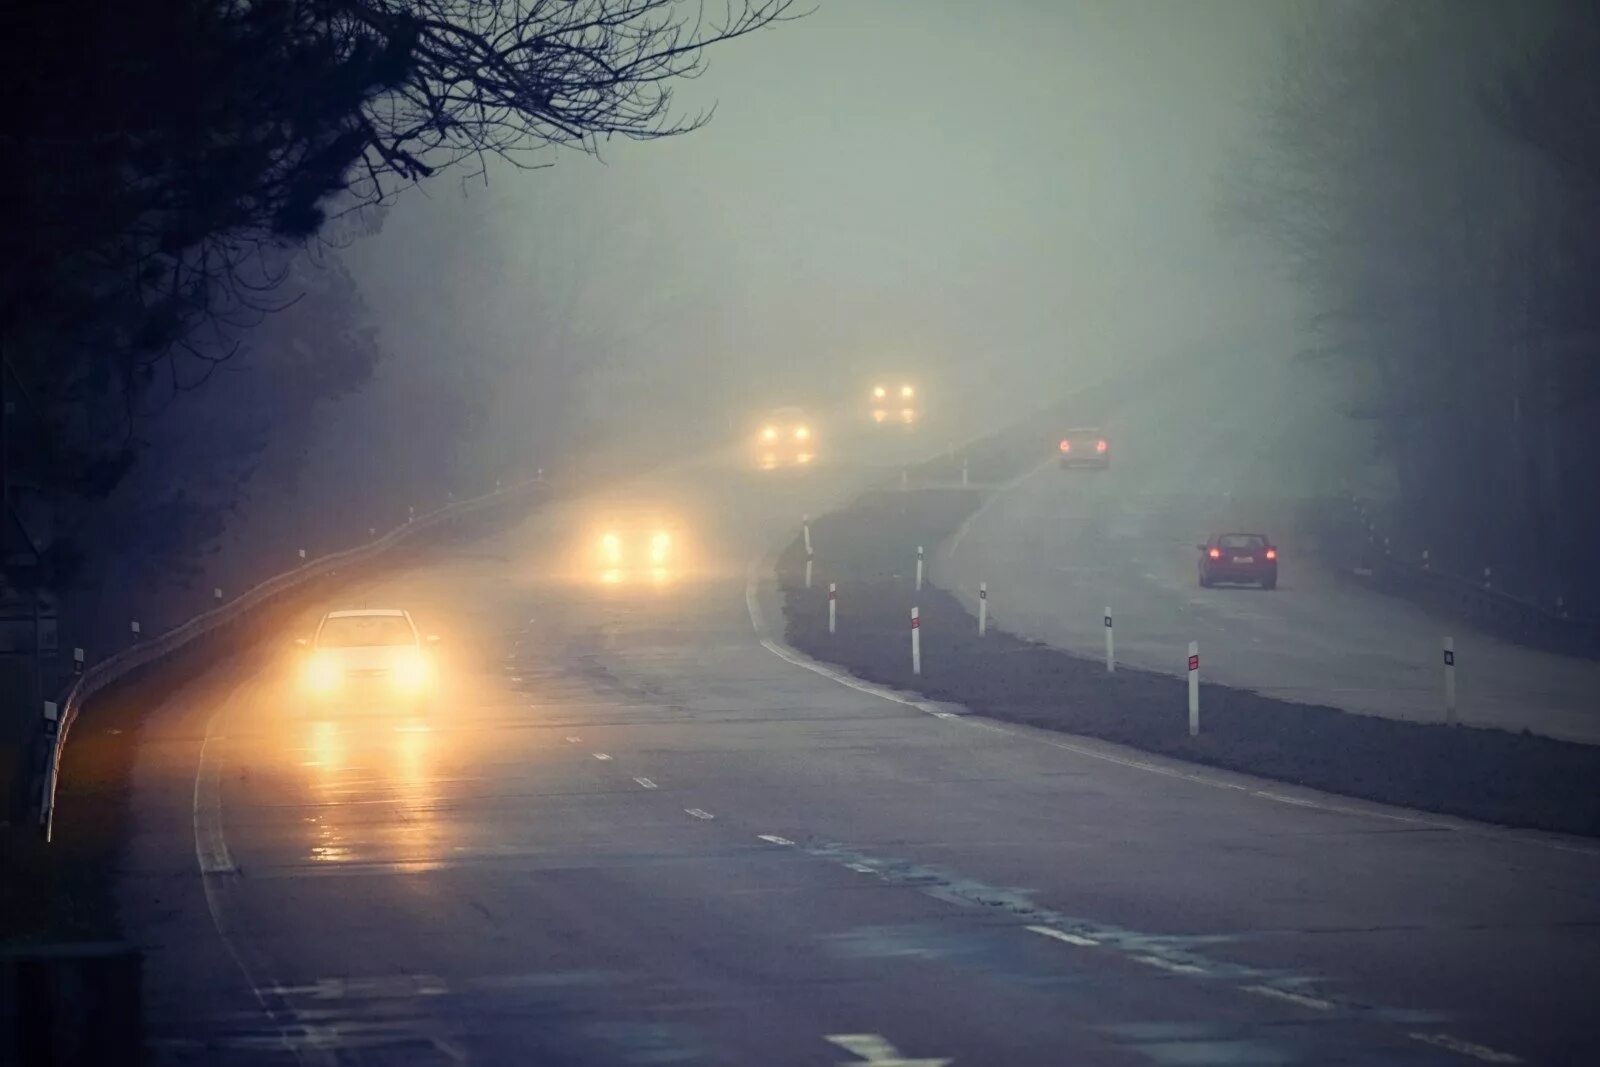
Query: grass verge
1515, 780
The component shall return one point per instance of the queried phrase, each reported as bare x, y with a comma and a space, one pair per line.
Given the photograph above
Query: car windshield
1247, 542
351, 631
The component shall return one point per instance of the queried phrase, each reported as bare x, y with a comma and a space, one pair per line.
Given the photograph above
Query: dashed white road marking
699, 813
873, 1049
1062, 935
1465, 1048
774, 839
1168, 965
601, 756
1302, 999
573, 740
647, 783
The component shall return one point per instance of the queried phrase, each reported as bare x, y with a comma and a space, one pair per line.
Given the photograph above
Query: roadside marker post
52, 717
1450, 681
808, 570
916, 642
833, 606
1111, 648
302, 555
1194, 688
216, 593
133, 628
919, 568
411, 513
983, 608
77, 661
805, 530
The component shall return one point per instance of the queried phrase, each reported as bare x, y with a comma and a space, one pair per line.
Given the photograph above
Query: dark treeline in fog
174, 171
1432, 169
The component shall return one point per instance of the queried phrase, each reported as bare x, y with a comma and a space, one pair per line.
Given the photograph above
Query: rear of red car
1085, 447
1239, 559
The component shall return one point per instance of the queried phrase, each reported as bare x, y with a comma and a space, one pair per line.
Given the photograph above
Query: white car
369, 657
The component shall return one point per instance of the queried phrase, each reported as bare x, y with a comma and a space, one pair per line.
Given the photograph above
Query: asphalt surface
1060, 545
636, 834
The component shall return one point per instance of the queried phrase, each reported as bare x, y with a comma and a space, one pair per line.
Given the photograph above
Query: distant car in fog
368, 659
1085, 446
1239, 559
786, 439
896, 403
636, 543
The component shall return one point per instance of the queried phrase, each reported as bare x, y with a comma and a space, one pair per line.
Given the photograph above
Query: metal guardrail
1522, 620
113, 669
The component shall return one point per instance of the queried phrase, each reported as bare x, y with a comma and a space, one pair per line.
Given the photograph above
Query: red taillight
1215, 553
1099, 446
1066, 446
1272, 553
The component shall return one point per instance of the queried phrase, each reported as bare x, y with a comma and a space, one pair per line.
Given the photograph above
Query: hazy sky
886, 184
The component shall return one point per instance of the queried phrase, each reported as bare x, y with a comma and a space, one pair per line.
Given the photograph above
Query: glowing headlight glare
322, 673
410, 670
880, 392
660, 545
769, 433
611, 547
802, 433
907, 391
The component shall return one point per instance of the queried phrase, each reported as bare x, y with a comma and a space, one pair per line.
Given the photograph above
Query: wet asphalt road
633, 834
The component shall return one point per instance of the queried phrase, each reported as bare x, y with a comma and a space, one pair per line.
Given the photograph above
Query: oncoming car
786, 439
1085, 446
895, 405
369, 658
634, 546
1239, 559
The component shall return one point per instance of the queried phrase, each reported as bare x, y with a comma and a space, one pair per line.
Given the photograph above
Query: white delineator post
805, 531
833, 606
963, 470
808, 570
919, 568
302, 555
77, 661
983, 608
1450, 681
1194, 688
1111, 648
133, 628
916, 642
216, 592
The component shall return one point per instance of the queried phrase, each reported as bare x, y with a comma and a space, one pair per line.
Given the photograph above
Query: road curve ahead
636, 835
1061, 545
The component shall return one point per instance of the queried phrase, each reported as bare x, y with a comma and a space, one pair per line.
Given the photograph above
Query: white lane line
1466, 1048
210, 845
573, 740
1062, 935
647, 783
873, 1049
1168, 965
1315, 1003
601, 756
774, 839
699, 813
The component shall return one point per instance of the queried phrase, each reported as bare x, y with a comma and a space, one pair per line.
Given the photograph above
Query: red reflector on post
1099, 446
1194, 663
1066, 446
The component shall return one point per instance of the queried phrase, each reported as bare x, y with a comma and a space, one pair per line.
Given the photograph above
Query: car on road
369, 659
1085, 446
1239, 559
896, 404
636, 544
787, 440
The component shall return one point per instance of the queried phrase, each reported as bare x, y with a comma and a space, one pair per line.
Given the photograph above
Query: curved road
638, 834
1060, 545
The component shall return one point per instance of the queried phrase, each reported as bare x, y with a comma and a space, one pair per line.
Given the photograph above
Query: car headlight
660, 545
410, 671
611, 547
880, 392
769, 433
907, 391
323, 674
802, 433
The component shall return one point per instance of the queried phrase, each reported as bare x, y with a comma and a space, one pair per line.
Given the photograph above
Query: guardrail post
1488, 578
1111, 648
1450, 681
302, 555
216, 593
77, 661
133, 628
916, 642
1427, 562
411, 513
1194, 688
833, 606
983, 608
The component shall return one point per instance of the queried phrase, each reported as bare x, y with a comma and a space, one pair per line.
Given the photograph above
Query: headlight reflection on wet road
374, 790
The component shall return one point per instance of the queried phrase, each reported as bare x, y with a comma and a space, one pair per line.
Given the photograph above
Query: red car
1239, 559
1085, 446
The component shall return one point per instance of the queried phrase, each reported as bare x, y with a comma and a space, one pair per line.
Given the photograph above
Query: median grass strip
869, 549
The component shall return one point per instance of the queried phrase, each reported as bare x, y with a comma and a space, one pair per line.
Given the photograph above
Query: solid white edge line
1302, 999
800, 659
1465, 1048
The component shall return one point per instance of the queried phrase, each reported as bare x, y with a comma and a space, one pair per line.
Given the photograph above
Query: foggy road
635, 835
1061, 545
